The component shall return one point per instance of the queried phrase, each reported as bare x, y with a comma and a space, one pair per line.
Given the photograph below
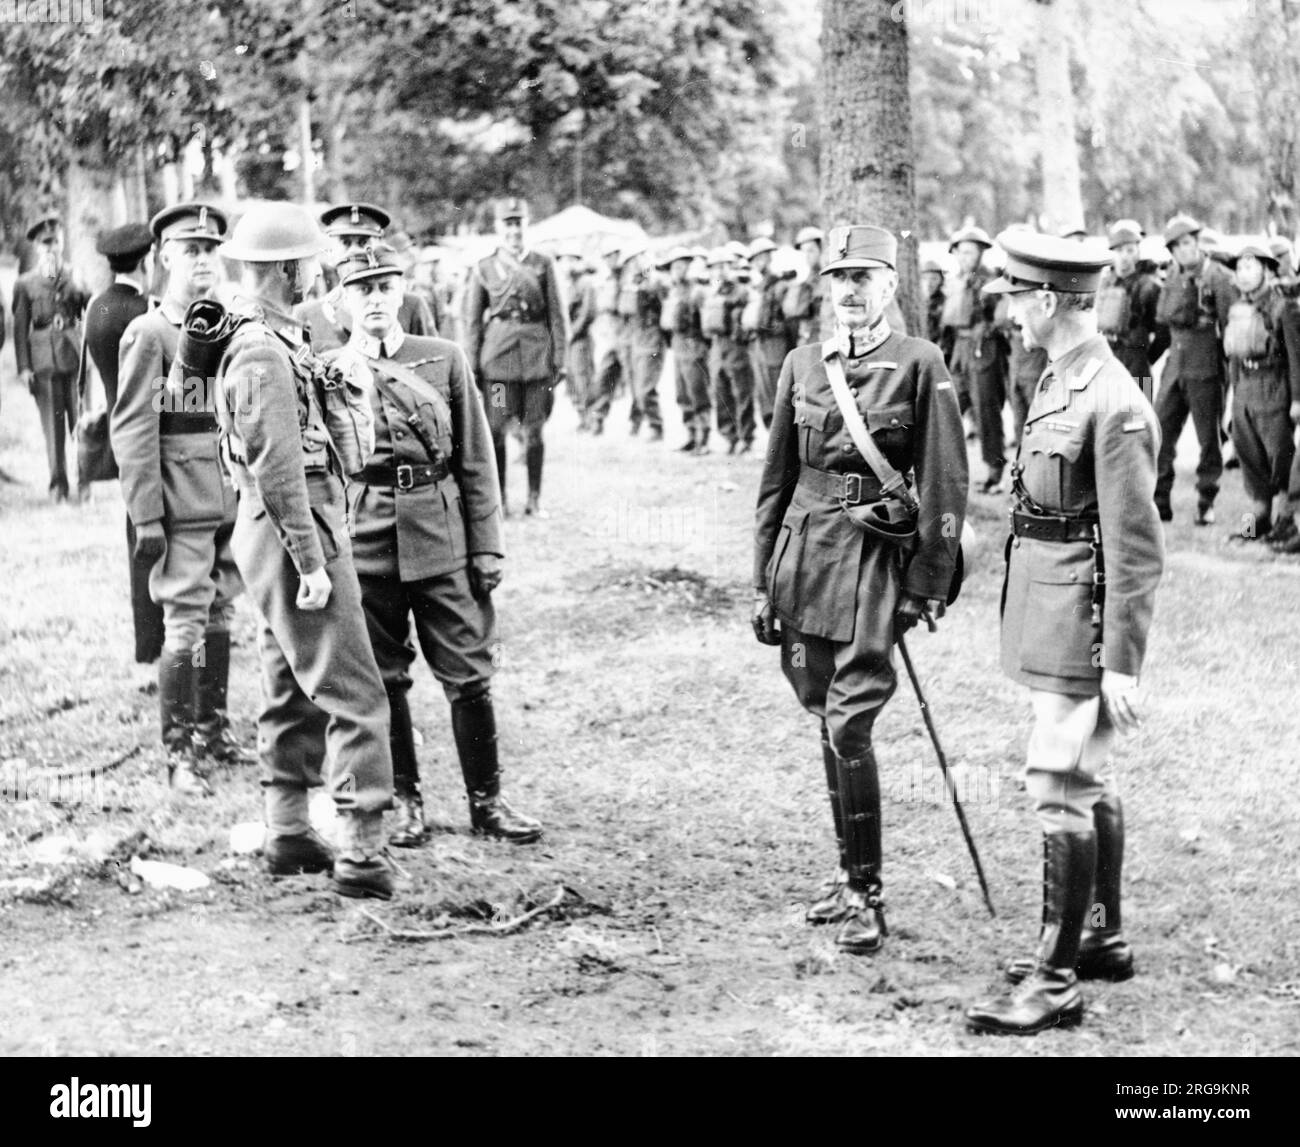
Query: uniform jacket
1195, 351
1088, 450
107, 317
805, 301
1283, 360
284, 433
327, 320
175, 478
685, 299
47, 321
515, 326
647, 338
982, 308
582, 308
429, 530
1145, 338
807, 553
773, 333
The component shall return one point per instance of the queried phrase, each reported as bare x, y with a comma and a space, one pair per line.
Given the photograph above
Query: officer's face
1187, 251
511, 232
373, 304
1031, 311
355, 244
860, 294
1126, 257
1250, 272
50, 247
193, 268
969, 253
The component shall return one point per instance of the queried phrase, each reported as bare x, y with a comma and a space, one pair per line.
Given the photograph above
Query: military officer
108, 315
640, 286
842, 565
1262, 346
1025, 366
680, 319
426, 524
582, 315
731, 371
290, 429
1083, 565
352, 227
165, 439
1126, 306
805, 299
1193, 304
978, 359
516, 335
48, 304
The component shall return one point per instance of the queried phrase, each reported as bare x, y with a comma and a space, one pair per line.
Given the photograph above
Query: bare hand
908, 613
764, 621
484, 574
314, 590
1119, 695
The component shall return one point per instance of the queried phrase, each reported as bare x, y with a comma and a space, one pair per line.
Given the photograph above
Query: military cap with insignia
189, 221
39, 227
809, 235
1124, 231
355, 219
970, 235
1048, 263
131, 241
1179, 226
376, 262
856, 248
511, 208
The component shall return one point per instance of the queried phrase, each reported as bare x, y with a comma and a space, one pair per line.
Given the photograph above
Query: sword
947, 777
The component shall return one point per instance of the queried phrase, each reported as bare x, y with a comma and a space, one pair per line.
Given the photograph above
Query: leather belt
1051, 528
403, 477
853, 489
187, 422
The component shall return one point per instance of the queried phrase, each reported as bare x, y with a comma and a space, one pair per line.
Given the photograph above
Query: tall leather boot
534, 455
499, 449
862, 929
829, 907
409, 830
176, 719
213, 735
1050, 997
474, 727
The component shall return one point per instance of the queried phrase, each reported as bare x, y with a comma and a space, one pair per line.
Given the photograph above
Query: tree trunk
1062, 197
868, 172
305, 150
95, 203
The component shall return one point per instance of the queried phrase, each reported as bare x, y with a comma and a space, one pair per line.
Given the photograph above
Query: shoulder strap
892, 483
404, 374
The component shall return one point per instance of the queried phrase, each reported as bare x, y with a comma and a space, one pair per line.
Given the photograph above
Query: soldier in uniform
1126, 307
582, 315
1083, 565
978, 360
516, 335
771, 330
353, 227
107, 317
291, 428
731, 372
1262, 346
932, 277
680, 319
806, 297
165, 439
48, 305
426, 527
614, 367
642, 288
1193, 304
842, 565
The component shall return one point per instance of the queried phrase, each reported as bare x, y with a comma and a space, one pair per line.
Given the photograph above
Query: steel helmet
274, 233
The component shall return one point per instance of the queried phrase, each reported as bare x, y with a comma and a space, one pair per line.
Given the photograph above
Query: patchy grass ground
682, 790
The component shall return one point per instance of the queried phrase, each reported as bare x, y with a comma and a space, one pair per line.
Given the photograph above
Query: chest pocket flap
1065, 444
814, 416
895, 416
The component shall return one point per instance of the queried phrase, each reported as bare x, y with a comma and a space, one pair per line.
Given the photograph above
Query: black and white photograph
650, 529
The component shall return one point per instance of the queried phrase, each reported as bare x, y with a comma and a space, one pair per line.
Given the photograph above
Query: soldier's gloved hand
909, 611
484, 574
150, 542
314, 590
764, 620
28, 379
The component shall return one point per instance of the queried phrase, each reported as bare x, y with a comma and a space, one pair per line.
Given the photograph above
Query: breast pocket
1058, 638
1053, 455
891, 424
816, 424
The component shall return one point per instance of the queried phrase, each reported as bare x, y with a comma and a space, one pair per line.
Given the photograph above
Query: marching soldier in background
516, 335
842, 565
765, 310
107, 317
426, 526
582, 316
1193, 304
48, 306
977, 361
290, 429
642, 292
165, 439
680, 320
615, 366
354, 227
805, 298
731, 373
1126, 307
1083, 567
1262, 346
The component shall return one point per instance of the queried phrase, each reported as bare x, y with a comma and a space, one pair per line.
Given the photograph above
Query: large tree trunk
868, 172
1062, 198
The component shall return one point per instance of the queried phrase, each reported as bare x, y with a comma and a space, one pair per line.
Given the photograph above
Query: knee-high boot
176, 719
213, 735
474, 727
829, 907
409, 829
863, 927
534, 456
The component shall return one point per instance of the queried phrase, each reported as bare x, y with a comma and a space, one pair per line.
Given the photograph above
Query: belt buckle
853, 489
405, 477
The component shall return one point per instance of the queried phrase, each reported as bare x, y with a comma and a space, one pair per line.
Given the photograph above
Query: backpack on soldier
1180, 301
672, 308
1114, 309
713, 315
1247, 335
751, 317
959, 308
798, 299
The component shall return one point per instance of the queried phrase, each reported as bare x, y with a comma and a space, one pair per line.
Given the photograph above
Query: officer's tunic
165, 441
690, 354
411, 547
1143, 338
835, 588
321, 689
731, 371
47, 341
